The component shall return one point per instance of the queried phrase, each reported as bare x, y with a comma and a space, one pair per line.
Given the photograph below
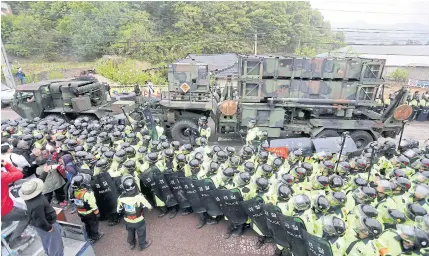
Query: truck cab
66, 97
31, 100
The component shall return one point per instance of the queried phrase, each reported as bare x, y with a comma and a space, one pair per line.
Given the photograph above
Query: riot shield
192, 194
204, 187
165, 191
255, 210
294, 227
316, 246
292, 144
176, 188
333, 145
105, 193
148, 181
423, 115
229, 203
275, 226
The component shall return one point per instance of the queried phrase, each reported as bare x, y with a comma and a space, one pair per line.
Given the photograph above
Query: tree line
160, 32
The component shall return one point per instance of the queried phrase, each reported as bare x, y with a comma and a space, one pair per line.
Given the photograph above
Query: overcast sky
401, 11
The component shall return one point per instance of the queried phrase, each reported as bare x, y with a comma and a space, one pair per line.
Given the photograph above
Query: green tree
399, 75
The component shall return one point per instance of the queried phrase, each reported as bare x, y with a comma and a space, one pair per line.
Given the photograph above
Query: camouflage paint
307, 68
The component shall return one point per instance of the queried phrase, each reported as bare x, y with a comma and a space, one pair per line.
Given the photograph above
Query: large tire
327, 134
178, 129
361, 138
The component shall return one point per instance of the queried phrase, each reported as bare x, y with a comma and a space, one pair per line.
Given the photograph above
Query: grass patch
128, 71
55, 75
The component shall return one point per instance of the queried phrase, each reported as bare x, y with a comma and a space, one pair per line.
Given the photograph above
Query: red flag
282, 151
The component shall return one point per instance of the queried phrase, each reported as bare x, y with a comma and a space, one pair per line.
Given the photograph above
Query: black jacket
42, 214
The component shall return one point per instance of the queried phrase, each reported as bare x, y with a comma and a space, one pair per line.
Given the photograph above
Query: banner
280, 151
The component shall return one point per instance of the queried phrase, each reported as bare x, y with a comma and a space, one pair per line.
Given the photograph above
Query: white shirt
17, 160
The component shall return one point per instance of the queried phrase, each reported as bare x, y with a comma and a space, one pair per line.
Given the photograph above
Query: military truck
62, 98
315, 97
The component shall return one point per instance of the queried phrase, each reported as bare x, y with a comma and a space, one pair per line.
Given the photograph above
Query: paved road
179, 236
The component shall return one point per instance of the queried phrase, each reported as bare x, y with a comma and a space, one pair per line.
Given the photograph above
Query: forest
161, 32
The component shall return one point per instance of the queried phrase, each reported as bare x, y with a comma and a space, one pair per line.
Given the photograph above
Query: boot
260, 242
172, 213
132, 246
145, 246
93, 240
238, 231
186, 211
202, 220
20, 241
277, 252
228, 232
211, 221
163, 212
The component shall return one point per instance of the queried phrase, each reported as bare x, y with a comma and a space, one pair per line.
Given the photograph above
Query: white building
413, 58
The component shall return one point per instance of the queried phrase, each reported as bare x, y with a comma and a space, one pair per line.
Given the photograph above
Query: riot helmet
301, 202
284, 192
262, 185
243, 179
333, 226
249, 167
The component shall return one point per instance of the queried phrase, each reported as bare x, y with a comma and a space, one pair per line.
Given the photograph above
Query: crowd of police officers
323, 204
418, 102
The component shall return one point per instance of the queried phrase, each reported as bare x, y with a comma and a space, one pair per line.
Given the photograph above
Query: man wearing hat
43, 217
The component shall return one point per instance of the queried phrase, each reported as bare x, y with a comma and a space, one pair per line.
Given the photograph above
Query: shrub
55, 75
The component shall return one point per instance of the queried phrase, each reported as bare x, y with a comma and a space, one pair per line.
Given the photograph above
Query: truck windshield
24, 97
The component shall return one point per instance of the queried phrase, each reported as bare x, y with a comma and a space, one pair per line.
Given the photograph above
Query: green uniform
338, 245
364, 247
252, 136
388, 243
133, 207
85, 202
312, 221
205, 132
116, 170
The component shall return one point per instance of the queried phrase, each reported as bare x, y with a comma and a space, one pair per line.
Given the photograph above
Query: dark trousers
59, 195
140, 229
17, 214
91, 224
52, 241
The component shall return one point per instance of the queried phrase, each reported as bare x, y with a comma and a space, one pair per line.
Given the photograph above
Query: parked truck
315, 97
65, 98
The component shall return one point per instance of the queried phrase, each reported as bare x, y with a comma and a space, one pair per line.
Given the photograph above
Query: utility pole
256, 43
5, 66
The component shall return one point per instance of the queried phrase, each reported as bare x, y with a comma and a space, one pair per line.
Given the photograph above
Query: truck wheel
178, 130
361, 138
328, 133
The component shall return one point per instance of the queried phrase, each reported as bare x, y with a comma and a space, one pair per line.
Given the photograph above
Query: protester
16, 160
9, 212
43, 217
53, 181
71, 171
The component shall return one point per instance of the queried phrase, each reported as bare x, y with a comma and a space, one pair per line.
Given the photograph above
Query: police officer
360, 238
203, 129
334, 229
131, 202
405, 240
86, 206
252, 134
